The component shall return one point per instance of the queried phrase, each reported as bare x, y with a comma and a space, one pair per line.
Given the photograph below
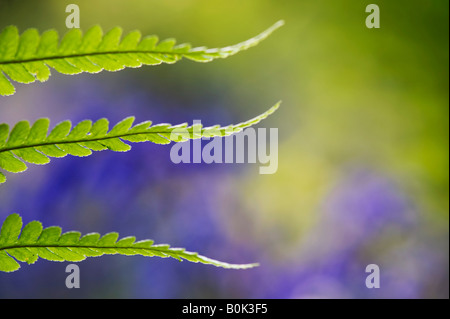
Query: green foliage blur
352, 96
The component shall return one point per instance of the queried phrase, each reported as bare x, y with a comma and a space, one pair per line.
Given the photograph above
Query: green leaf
34, 145
10, 230
27, 58
36, 242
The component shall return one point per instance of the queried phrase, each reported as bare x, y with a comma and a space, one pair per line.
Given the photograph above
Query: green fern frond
27, 58
32, 144
33, 241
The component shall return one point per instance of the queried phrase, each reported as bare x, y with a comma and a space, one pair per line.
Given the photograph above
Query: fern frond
33, 241
27, 58
32, 144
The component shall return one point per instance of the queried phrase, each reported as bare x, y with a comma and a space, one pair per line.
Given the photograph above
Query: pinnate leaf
34, 242
28, 57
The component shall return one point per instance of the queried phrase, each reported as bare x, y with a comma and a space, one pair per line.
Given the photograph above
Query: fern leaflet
33, 144
33, 241
27, 57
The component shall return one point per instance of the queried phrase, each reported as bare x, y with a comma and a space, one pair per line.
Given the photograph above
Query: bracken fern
33, 144
33, 241
26, 58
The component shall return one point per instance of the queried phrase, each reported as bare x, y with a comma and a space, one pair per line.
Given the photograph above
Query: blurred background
363, 153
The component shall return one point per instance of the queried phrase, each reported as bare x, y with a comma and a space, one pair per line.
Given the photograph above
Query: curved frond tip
26, 143
27, 57
34, 241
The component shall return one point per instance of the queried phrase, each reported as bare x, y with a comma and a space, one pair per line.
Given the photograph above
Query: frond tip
32, 242
27, 57
32, 143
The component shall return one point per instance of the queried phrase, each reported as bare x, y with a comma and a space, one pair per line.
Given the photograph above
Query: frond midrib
80, 246
80, 55
95, 139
